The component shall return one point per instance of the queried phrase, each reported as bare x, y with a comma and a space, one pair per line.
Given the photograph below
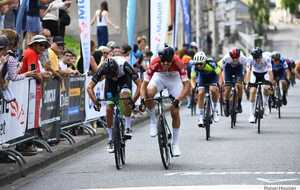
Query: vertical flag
85, 32
176, 23
187, 21
159, 24
131, 23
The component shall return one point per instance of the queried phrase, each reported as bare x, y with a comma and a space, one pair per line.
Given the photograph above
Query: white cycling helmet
200, 57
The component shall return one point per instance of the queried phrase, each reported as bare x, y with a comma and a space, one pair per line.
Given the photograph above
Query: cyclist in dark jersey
118, 75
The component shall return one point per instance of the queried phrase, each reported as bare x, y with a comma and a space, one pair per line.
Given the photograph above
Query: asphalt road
232, 157
237, 156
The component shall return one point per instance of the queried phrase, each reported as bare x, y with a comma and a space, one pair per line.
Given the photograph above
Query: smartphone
32, 67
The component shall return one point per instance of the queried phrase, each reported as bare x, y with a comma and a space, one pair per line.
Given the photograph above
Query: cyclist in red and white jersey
166, 71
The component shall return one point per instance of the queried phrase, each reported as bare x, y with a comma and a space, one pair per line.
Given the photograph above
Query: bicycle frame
164, 132
208, 111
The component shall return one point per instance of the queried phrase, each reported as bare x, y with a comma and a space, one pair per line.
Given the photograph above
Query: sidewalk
10, 172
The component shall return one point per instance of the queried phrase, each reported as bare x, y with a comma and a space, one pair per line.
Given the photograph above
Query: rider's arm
95, 79
185, 90
90, 90
135, 77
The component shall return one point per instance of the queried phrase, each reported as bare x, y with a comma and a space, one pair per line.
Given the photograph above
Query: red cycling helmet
235, 53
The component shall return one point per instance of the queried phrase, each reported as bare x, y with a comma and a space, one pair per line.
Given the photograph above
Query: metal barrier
62, 105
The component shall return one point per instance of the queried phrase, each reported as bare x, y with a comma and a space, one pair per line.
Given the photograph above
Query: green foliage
260, 13
72, 44
291, 5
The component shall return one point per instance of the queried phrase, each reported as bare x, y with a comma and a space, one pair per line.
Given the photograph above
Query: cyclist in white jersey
259, 68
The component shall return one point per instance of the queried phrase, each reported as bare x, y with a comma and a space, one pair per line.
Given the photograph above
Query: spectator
12, 62
51, 15
5, 91
93, 64
102, 18
105, 54
141, 42
55, 51
33, 23
209, 42
36, 47
64, 19
65, 64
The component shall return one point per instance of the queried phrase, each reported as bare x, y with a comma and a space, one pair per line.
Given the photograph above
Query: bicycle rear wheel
123, 155
233, 111
260, 112
193, 105
207, 117
164, 147
117, 143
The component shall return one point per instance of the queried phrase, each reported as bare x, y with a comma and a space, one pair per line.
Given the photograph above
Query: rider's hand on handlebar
142, 106
175, 103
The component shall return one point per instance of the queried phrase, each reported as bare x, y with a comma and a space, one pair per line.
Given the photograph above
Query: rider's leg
200, 102
126, 108
239, 89
252, 104
284, 85
266, 93
215, 99
151, 91
109, 119
215, 96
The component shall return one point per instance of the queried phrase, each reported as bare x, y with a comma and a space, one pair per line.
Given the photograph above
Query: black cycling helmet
111, 68
276, 56
256, 53
166, 54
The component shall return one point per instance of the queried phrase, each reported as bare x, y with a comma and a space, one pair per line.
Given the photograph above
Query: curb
58, 155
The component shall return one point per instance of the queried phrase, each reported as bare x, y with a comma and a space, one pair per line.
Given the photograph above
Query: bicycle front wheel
164, 148
117, 143
233, 111
207, 118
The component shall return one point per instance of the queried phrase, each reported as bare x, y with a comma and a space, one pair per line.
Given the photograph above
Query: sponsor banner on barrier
90, 113
73, 100
13, 115
50, 102
50, 114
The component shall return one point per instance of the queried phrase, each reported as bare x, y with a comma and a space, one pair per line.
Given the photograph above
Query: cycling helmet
235, 53
166, 54
256, 53
111, 68
276, 56
199, 57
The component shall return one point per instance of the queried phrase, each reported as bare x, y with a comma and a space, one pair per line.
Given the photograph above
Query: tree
259, 13
291, 5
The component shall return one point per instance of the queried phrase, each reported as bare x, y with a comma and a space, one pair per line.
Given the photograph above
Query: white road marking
203, 187
197, 173
275, 180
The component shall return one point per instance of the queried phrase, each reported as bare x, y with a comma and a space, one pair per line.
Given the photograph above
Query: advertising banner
13, 115
159, 24
84, 14
187, 21
91, 114
73, 100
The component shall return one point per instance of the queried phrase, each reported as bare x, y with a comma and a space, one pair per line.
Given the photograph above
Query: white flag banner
84, 18
159, 24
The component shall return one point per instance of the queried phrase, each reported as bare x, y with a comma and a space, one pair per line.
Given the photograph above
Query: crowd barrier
63, 104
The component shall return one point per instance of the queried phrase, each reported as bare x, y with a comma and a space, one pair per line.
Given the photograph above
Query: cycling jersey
262, 67
126, 74
282, 65
156, 67
227, 60
210, 67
